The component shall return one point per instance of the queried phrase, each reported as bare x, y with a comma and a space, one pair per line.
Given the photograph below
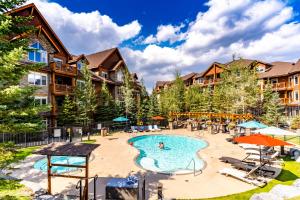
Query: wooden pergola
210, 115
68, 149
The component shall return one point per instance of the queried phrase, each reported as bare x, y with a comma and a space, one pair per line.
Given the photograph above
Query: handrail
79, 186
194, 166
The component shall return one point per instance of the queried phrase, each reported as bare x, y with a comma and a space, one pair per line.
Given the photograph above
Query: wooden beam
67, 165
66, 176
86, 194
49, 173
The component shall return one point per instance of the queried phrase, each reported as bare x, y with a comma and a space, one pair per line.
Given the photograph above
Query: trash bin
103, 132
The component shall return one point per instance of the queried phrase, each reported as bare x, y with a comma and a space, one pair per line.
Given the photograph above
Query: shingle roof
198, 75
281, 69
161, 83
98, 58
188, 76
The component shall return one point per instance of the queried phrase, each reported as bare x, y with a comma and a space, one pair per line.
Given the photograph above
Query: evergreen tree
154, 106
86, 99
106, 108
67, 116
18, 112
128, 96
143, 104
272, 111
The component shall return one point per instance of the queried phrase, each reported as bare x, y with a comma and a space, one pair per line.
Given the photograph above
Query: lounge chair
146, 128
235, 160
139, 128
150, 128
133, 129
248, 167
155, 127
266, 158
244, 176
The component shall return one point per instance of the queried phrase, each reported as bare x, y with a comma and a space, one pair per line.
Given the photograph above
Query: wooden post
86, 194
49, 173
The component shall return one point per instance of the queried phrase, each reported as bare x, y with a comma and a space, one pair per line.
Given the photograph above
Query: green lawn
11, 189
290, 172
291, 139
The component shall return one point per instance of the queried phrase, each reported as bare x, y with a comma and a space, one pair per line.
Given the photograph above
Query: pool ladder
194, 165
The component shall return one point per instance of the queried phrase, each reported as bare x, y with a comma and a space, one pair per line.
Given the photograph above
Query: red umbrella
260, 139
158, 118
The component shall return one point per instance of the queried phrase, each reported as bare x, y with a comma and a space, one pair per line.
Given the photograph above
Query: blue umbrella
252, 124
120, 119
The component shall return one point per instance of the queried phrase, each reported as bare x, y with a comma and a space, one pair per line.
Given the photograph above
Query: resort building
61, 72
284, 77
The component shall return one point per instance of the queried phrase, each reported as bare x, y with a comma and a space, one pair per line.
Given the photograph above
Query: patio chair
133, 129
244, 176
248, 167
139, 128
146, 128
155, 127
151, 128
235, 160
270, 158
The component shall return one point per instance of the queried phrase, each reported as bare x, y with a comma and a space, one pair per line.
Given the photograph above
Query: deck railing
61, 68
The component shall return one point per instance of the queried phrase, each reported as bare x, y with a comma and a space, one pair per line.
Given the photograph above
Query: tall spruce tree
86, 99
18, 112
154, 107
67, 116
272, 109
106, 107
128, 96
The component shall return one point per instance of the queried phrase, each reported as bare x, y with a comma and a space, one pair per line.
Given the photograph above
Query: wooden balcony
60, 89
211, 81
285, 101
63, 69
282, 86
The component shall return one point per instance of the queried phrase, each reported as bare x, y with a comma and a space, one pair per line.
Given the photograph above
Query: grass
88, 141
12, 189
289, 173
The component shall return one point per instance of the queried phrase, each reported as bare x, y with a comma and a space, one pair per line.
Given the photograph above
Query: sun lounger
234, 160
248, 167
145, 128
156, 128
133, 129
150, 128
263, 157
244, 176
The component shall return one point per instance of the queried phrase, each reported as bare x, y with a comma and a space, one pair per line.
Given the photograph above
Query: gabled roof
199, 75
77, 58
161, 83
279, 69
34, 8
245, 62
214, 63
188, 76
96, 59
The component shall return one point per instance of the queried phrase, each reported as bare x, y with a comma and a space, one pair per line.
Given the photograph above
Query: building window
104, 74
58, 62
273, 81
37, 79
296, 95
296, 80
119, 75
38, 54
200, 80
40, 100
79, 65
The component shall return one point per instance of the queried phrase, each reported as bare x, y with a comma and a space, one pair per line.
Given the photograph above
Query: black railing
79, 187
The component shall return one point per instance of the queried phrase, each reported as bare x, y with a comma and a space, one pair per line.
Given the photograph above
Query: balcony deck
63, 69
59, 89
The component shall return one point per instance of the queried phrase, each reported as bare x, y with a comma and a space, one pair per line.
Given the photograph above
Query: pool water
42, 164
174, 158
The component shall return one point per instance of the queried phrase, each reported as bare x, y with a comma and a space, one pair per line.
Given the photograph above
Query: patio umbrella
252, 124
158, 118
272, 130
120, 119
262, 140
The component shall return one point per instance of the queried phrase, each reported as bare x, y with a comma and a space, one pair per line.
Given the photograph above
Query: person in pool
161, 145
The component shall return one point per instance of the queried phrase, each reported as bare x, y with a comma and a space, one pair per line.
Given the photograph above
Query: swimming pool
42, 164
174, 158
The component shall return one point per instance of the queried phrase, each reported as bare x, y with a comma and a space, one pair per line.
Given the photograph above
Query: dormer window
261, 69
104, 74
38, 53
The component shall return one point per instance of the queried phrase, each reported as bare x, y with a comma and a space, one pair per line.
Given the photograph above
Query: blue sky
158, 37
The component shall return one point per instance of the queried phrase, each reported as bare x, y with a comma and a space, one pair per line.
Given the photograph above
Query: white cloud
256, 29
166, 33
86, 32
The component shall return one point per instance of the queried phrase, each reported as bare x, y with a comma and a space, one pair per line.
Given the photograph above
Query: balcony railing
64, 69
60, 88
285, 100
211, 81
281, 86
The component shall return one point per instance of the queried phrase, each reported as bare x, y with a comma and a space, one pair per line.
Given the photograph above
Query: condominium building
62, 71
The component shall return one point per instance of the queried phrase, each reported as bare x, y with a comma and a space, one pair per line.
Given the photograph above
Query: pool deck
116, 158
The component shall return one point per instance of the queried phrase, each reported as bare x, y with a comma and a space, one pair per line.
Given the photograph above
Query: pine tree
272, 111
106, 108
154, 106
68, 112
86, 99
18, 112
128, 97
143, 104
